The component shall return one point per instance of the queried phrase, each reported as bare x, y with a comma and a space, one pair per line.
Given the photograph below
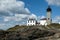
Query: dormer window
28, 21
33, 21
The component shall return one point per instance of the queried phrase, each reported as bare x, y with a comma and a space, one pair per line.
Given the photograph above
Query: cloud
56, 19
27, 10
33, 16
53, 2
16, 17
19, 17
13, 12
42, 17
10, 7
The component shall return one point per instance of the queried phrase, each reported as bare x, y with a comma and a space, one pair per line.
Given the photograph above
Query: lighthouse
49, 12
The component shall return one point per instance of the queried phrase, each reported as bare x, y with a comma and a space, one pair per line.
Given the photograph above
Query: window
28, 21
33, 21
48, 18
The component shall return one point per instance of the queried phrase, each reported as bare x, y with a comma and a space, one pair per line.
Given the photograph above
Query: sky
16, 12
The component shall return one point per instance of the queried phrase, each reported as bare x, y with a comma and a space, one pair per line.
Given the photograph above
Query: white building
48, 16
43, 21
31, 22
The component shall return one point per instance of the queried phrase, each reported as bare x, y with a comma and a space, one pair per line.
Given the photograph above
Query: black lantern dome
48, 9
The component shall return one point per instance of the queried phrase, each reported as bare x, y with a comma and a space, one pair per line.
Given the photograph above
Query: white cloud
13, 12
17, 17
4, 26
9, 4
56, 19
33, 16
53, 2
7, 19
10, 7
27, 10
42, 17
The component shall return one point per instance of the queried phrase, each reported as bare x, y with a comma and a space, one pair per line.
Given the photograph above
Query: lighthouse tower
49, 11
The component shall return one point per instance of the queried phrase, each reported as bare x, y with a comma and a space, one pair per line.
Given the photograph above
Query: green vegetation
17, 27
54, 25
29, 32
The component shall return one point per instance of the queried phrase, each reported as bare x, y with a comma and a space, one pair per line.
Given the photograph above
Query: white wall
31, 23
48, 18
43, 22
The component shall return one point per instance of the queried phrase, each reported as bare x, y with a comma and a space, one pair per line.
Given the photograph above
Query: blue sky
39, 7
36, 7
16, 12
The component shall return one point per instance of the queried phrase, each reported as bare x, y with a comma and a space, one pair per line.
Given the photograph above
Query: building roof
37, 22
48, 9
43, 19
31, 19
